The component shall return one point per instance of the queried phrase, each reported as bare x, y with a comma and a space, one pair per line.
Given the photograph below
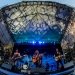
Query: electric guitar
37, 58
59, 57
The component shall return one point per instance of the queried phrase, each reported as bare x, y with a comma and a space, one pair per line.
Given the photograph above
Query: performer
25, 58
16, 56
58, 57
37, 57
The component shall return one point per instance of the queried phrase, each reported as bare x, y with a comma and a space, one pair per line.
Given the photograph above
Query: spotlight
54, 43
40, 42
43, 42
33, 42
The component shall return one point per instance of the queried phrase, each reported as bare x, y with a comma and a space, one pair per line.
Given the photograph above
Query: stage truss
46, 21
37, 21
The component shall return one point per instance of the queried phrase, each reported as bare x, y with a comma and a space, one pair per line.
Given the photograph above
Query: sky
4, 3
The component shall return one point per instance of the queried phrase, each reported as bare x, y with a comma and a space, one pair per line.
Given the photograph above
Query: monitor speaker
6, 66
10, 67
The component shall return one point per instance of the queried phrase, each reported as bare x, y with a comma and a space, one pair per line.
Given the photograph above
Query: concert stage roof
39, 21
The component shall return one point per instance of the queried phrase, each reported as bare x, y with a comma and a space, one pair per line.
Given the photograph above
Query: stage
69, 69
37, 38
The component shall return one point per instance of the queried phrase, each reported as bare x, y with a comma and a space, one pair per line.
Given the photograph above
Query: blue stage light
33, 42
43, 42
40, 42
54, 43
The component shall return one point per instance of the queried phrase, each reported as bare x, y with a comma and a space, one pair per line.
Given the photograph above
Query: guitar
37, 58
59, 57
16, 58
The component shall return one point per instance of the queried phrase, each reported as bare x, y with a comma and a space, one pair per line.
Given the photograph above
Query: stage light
54, 43
43, 42
33, 42
40, 42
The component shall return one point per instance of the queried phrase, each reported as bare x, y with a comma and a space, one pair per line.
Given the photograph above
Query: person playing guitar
16, 56
18, 59
58, 57
37, 58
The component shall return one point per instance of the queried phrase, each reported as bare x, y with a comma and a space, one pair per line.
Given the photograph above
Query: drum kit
24, 63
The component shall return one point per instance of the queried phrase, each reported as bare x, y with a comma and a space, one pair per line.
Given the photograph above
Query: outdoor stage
37, 37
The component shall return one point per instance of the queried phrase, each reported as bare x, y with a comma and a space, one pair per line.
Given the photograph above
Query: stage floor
5, 72
50, 60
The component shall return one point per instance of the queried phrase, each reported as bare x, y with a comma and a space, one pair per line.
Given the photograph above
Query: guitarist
37, 57
58, 58
16, 56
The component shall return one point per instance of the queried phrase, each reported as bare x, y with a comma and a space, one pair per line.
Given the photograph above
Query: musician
25, 58
58, 58
16, 56
37, 57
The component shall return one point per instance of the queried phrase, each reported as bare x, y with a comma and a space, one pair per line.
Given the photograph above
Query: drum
25, 59
25, 67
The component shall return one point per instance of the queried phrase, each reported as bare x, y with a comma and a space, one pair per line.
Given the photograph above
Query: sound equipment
36, 70
10, 67
6, 66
